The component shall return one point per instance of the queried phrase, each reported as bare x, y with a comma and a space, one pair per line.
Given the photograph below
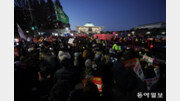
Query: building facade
151, 26
89, 28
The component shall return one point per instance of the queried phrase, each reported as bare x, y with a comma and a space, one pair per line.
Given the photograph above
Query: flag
61, 16
21, 33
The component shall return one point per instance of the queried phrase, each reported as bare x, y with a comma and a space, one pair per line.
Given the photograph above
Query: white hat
62, 55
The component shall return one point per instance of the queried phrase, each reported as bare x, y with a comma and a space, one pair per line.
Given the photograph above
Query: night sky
114, 15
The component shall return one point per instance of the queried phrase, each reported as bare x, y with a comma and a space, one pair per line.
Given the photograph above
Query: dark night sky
114, 15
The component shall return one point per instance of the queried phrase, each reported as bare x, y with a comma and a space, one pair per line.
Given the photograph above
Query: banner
95, 80
148, 59
151, 81
21, 33
136, 66
104, 36
71, 40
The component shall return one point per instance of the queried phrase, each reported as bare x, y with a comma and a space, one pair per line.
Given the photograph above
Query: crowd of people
50, 68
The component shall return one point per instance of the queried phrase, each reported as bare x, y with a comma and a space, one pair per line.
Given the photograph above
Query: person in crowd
67, 72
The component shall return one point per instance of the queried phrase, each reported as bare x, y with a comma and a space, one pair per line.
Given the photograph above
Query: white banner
136, 66
148, 59
138, 70
71, 40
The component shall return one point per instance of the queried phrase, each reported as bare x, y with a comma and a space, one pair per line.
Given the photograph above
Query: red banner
81, 35
104, 36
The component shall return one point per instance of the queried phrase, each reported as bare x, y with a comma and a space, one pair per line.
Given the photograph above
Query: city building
89, 28
151, 26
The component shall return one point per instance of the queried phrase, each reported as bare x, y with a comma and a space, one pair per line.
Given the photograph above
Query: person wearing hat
88, 70
67, 73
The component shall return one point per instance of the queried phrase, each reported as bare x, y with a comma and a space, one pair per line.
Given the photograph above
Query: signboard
71, 40
95, 80
148, 59
136, 66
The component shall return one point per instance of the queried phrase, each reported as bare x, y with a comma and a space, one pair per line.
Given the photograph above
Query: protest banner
136, 66
104, 36
148, 59
70, 41
95, 80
